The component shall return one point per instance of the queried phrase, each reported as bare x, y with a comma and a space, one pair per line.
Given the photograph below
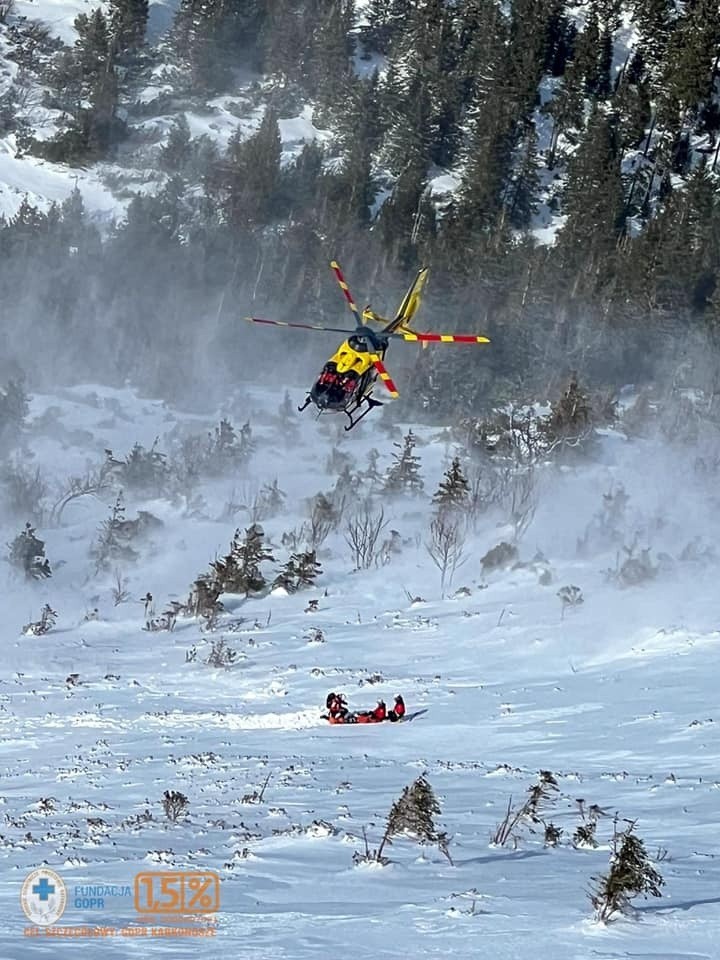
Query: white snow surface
43, 183
57, 15
617, 698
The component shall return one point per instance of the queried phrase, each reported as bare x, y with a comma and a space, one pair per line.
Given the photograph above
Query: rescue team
337, 711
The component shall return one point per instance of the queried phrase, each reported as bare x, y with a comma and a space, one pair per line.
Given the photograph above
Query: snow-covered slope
616, 697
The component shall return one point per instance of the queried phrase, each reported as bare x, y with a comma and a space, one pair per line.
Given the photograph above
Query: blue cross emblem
43, 889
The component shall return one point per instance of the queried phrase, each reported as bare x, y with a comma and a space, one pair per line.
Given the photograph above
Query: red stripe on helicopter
445, 338
343, 284
386, 378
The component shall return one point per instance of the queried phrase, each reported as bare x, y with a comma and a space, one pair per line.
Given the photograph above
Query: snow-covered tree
404, 474
27, 553
239, 571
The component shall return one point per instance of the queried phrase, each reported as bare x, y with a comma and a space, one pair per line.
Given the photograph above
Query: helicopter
346, 382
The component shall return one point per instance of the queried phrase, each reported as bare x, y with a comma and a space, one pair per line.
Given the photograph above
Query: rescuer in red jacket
398, 711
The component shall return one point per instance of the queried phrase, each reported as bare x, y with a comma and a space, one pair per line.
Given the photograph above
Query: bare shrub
362, 534
390, 547
24, 489
166, 620
539, 795
570, 596
479, 494
584, 835
500, 557
295, 538
37, 628
92, 484
637, 567
175, 804
232, 506
325, 513
257, 795
521, 499
446, 545
120, 593
609, 523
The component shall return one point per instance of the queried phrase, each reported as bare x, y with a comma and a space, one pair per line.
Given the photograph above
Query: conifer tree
285, 39
483, 37
203, 600
112, 544
404, 475
209, 35
522, 185
298, 572
307, 568
328, 69
594, 199
423, 98
454, 490
285, 578
692, 60
631, 102
95, 126
385, 20
128, 21
655, 26
252, 175
529, 42
177, 150
413, 813
593, 56
407, 219
678, 251
13, 399
631, 875
349, 190
239, 570
27, 553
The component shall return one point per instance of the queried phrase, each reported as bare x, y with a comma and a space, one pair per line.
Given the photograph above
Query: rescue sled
359, 718
363, 718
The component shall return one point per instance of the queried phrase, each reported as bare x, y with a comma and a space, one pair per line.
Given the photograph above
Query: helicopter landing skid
370, 404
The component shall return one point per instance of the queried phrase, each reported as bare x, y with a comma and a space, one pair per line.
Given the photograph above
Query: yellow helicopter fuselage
347, 359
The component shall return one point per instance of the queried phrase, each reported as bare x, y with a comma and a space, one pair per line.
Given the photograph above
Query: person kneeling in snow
336, 706
380, 711
398, 711
374, 716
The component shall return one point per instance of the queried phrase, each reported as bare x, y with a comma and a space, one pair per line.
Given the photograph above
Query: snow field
616, 698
